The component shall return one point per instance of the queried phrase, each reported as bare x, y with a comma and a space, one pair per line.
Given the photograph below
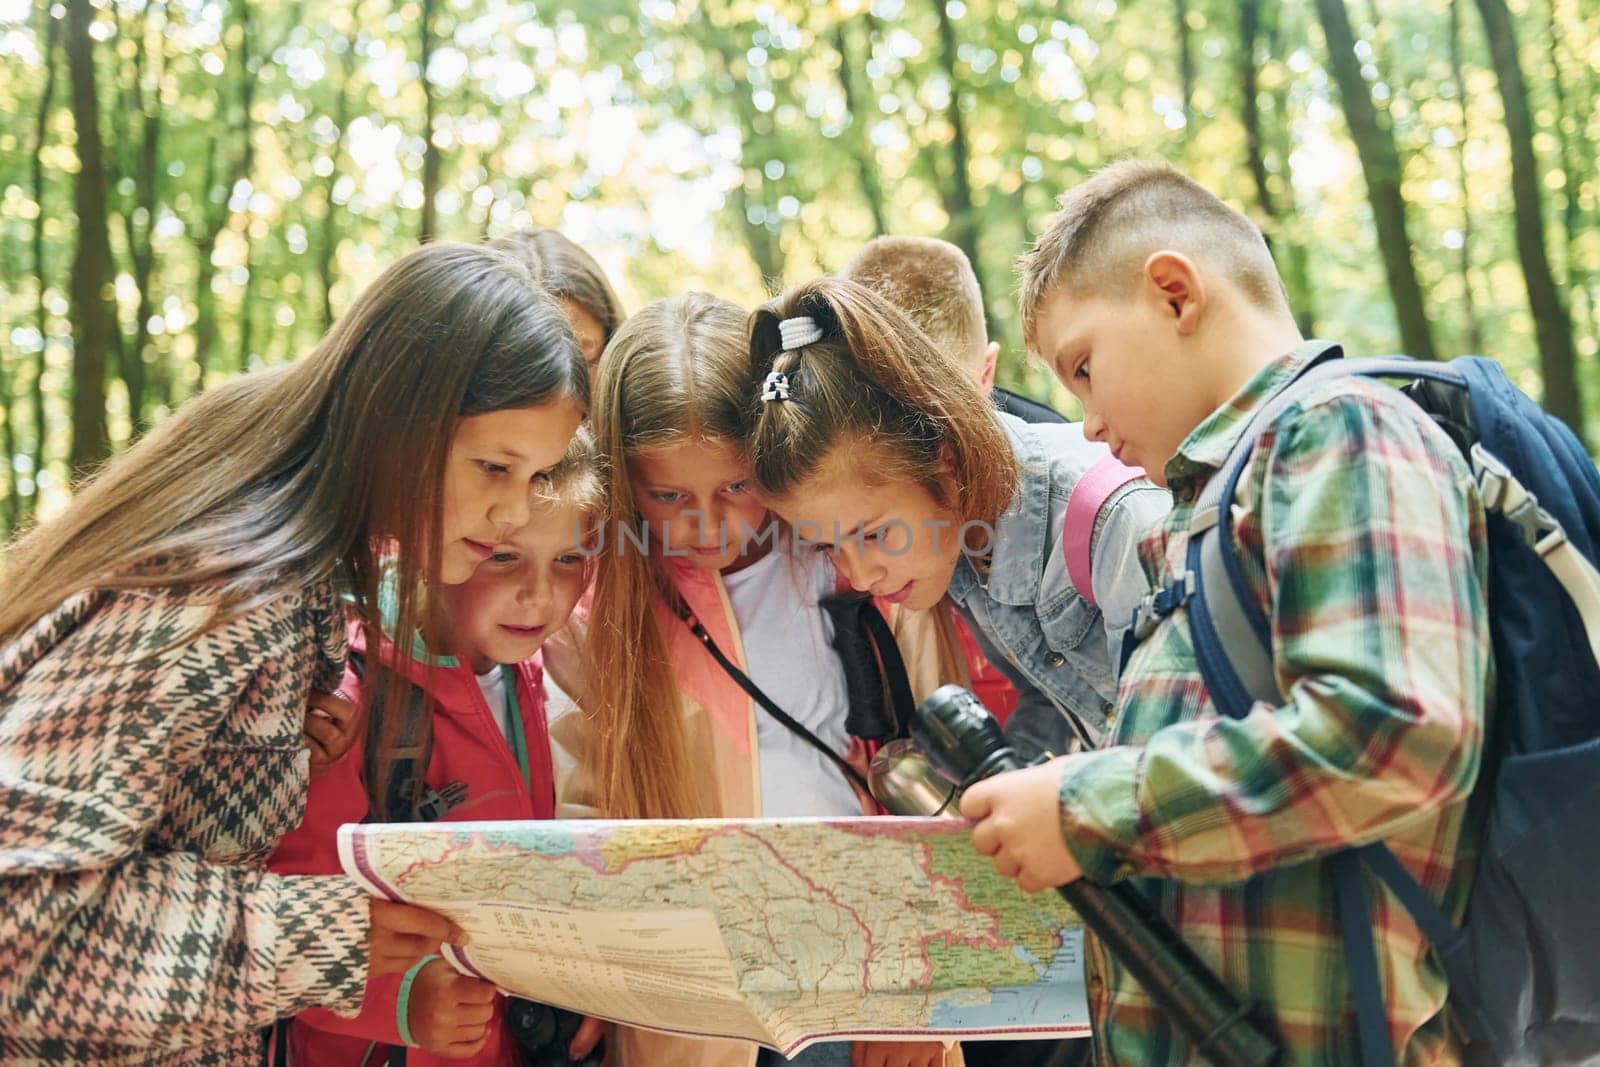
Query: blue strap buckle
1161, 603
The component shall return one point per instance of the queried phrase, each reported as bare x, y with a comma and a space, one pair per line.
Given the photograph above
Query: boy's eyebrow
1053, 357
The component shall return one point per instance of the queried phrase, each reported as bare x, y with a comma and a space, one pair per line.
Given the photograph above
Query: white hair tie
776, 387
798, 332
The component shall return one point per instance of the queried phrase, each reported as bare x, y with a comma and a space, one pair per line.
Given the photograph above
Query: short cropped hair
933, 282
1103, 230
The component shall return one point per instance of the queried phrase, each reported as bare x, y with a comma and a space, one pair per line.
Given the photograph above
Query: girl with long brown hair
159, 641
575, 278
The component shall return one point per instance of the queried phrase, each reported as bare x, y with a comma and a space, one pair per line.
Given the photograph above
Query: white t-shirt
786, 644
493, 685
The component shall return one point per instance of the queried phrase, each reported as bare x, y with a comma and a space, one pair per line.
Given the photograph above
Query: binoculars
543, 1033
957, 742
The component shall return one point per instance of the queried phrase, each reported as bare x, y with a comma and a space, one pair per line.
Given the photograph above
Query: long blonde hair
674, 371
294, 475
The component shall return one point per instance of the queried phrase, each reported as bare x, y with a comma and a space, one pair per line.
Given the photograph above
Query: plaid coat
142, 787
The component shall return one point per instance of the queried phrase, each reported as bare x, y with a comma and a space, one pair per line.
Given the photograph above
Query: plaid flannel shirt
1362, 537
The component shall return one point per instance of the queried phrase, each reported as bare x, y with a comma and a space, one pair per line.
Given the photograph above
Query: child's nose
854, 568
534, 590
1094, 427
511, 508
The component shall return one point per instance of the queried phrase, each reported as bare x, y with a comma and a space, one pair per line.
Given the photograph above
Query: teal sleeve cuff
402, 1003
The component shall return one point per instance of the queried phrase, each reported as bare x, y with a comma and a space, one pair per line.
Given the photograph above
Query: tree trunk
328, 242
1250, 114
205, 272
761, 241
430, 150
13, 508
247, 308
1568, 130
1380, 164
1287, 251
51, 36
765, 249
1186, 73
1557, 361
1474, 330
94, 321
216, 211
146, 175
871, 188
956, 192
9, 442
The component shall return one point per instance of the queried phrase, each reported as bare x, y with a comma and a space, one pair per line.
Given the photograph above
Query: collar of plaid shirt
1207, 446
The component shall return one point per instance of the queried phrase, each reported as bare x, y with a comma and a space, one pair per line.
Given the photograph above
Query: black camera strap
881, 703
789, 722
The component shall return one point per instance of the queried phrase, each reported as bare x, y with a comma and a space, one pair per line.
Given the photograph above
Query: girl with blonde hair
701, 602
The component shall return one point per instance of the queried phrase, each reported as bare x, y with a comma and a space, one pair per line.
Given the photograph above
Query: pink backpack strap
1094, 487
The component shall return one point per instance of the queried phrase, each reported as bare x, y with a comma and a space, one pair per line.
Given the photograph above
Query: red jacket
468, 747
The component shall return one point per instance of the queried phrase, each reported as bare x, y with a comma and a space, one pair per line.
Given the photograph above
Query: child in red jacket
488, 758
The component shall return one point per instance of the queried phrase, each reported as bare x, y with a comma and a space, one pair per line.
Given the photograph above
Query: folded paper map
779, 931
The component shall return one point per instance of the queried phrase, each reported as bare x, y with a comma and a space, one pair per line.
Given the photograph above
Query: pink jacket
468, 748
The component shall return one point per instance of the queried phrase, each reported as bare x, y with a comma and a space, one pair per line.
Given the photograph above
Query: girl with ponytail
880, 450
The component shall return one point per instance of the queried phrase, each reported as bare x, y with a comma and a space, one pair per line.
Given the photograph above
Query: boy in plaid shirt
1361, 534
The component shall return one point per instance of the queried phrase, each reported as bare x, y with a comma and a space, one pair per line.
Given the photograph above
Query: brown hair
283, 478
567, 272
933, 283
675, 371
1105, 228
873, 379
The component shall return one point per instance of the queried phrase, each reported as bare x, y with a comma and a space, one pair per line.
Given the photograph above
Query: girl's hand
401, 934
449, 1012
856, 756
332, 726
897, 1054
590, 1031
1019, 826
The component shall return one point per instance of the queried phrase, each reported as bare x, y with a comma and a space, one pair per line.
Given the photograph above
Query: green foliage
713, 144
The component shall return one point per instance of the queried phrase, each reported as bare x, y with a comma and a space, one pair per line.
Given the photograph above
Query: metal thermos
904, 781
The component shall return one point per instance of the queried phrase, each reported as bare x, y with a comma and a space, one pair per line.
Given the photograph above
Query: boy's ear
1177, 281
991, 358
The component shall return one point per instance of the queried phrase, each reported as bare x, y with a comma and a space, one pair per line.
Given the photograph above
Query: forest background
190, 189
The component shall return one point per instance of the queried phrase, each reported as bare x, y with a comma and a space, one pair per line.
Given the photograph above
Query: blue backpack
1524, 970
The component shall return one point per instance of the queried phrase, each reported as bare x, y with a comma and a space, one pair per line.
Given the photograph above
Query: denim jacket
1052, 642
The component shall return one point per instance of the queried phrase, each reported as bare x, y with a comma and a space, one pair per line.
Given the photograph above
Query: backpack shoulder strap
411, 753
1233, 642
1089, 494
1232, 637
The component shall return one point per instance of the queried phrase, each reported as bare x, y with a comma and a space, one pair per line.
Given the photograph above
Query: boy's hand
332, 726
449, 1012
401, 934
897, 1054
1019, 826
